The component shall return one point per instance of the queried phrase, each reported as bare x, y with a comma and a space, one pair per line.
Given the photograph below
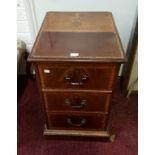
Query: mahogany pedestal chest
77, 58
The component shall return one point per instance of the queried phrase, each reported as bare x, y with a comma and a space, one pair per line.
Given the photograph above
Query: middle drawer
65, 101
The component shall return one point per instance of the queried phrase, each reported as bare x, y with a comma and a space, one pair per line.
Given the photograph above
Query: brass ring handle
76, 124
81, 105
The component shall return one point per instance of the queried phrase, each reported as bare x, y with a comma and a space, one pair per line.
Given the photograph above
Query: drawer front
72, 76
65, 101
76, 121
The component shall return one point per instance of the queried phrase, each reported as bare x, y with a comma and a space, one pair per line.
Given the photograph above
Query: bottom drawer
77, 121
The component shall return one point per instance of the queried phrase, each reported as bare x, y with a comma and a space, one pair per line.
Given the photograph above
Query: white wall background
23, 28
124, 12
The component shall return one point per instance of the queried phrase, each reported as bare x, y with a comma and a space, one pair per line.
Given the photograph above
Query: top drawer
77, 76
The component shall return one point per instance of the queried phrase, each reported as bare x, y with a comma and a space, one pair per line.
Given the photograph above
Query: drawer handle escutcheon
81, 105
76, 82
76, 124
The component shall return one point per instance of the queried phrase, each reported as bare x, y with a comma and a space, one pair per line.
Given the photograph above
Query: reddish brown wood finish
92, 122
89, 38
78, 102
76, 90
87, 45
78, 22
100, 76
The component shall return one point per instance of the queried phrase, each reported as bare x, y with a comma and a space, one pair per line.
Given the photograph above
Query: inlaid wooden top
78, 22
78, 37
